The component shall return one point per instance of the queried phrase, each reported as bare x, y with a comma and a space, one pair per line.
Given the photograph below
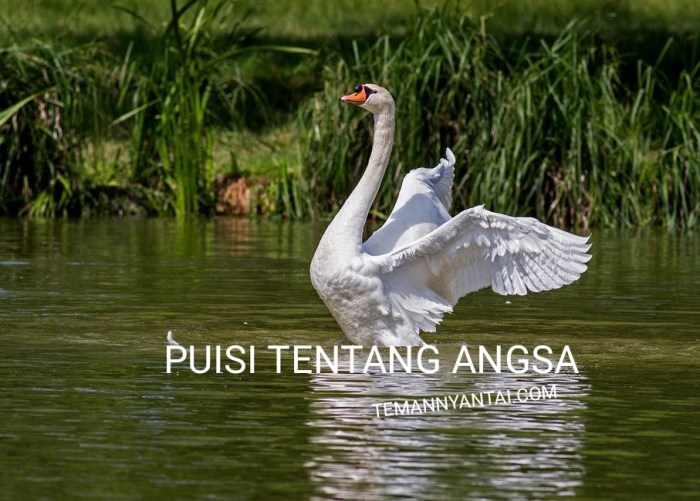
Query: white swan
415, 268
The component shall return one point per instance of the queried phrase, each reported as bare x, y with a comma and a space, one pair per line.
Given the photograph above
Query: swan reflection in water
518, 449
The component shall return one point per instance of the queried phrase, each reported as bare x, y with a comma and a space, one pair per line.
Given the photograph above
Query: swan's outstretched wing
422, 206
478, 248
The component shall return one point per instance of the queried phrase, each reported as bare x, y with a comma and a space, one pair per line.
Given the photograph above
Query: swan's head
371, 97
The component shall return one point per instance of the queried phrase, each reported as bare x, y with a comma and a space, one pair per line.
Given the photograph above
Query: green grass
548, 131
594, 124
154, 109
46, 97
168, 92
321, 20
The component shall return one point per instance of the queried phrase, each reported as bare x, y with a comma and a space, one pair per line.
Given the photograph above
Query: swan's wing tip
450, 156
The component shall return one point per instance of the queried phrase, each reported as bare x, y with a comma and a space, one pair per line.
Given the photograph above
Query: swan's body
415, 268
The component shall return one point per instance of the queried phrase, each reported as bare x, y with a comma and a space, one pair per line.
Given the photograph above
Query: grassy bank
144, 110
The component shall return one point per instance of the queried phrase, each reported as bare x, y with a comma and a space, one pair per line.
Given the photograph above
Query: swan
415, 268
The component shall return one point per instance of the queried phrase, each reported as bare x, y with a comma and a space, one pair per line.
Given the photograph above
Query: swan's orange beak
356, 97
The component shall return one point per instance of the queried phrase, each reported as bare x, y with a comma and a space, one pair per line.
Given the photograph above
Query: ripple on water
87, 406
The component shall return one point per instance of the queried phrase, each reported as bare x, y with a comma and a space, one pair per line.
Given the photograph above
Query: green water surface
88, 411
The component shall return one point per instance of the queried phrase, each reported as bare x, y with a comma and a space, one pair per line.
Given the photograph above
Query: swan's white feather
424, 278
479, 248
422, 206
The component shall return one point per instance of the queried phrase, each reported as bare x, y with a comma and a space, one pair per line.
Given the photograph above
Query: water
88, 411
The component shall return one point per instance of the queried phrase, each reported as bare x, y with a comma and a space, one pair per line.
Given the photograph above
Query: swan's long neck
348, 225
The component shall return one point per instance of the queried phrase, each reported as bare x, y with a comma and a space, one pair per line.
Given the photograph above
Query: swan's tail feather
422, 308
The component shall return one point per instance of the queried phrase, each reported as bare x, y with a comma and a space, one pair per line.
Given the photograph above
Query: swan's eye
358, 89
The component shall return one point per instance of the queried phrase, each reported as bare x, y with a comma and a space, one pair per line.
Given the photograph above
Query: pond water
87, 409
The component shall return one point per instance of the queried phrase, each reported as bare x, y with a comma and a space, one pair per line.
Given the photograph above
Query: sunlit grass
549, 131
577, 126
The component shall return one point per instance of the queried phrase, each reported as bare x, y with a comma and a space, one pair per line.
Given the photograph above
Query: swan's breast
352, 290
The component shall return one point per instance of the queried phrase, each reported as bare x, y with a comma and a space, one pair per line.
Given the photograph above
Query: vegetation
169, 92
155, 107
549, 131
45, 94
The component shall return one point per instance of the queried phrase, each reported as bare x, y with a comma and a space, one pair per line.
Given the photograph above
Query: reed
48, 100
564, 129
166, 92
547, 130
169, 93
